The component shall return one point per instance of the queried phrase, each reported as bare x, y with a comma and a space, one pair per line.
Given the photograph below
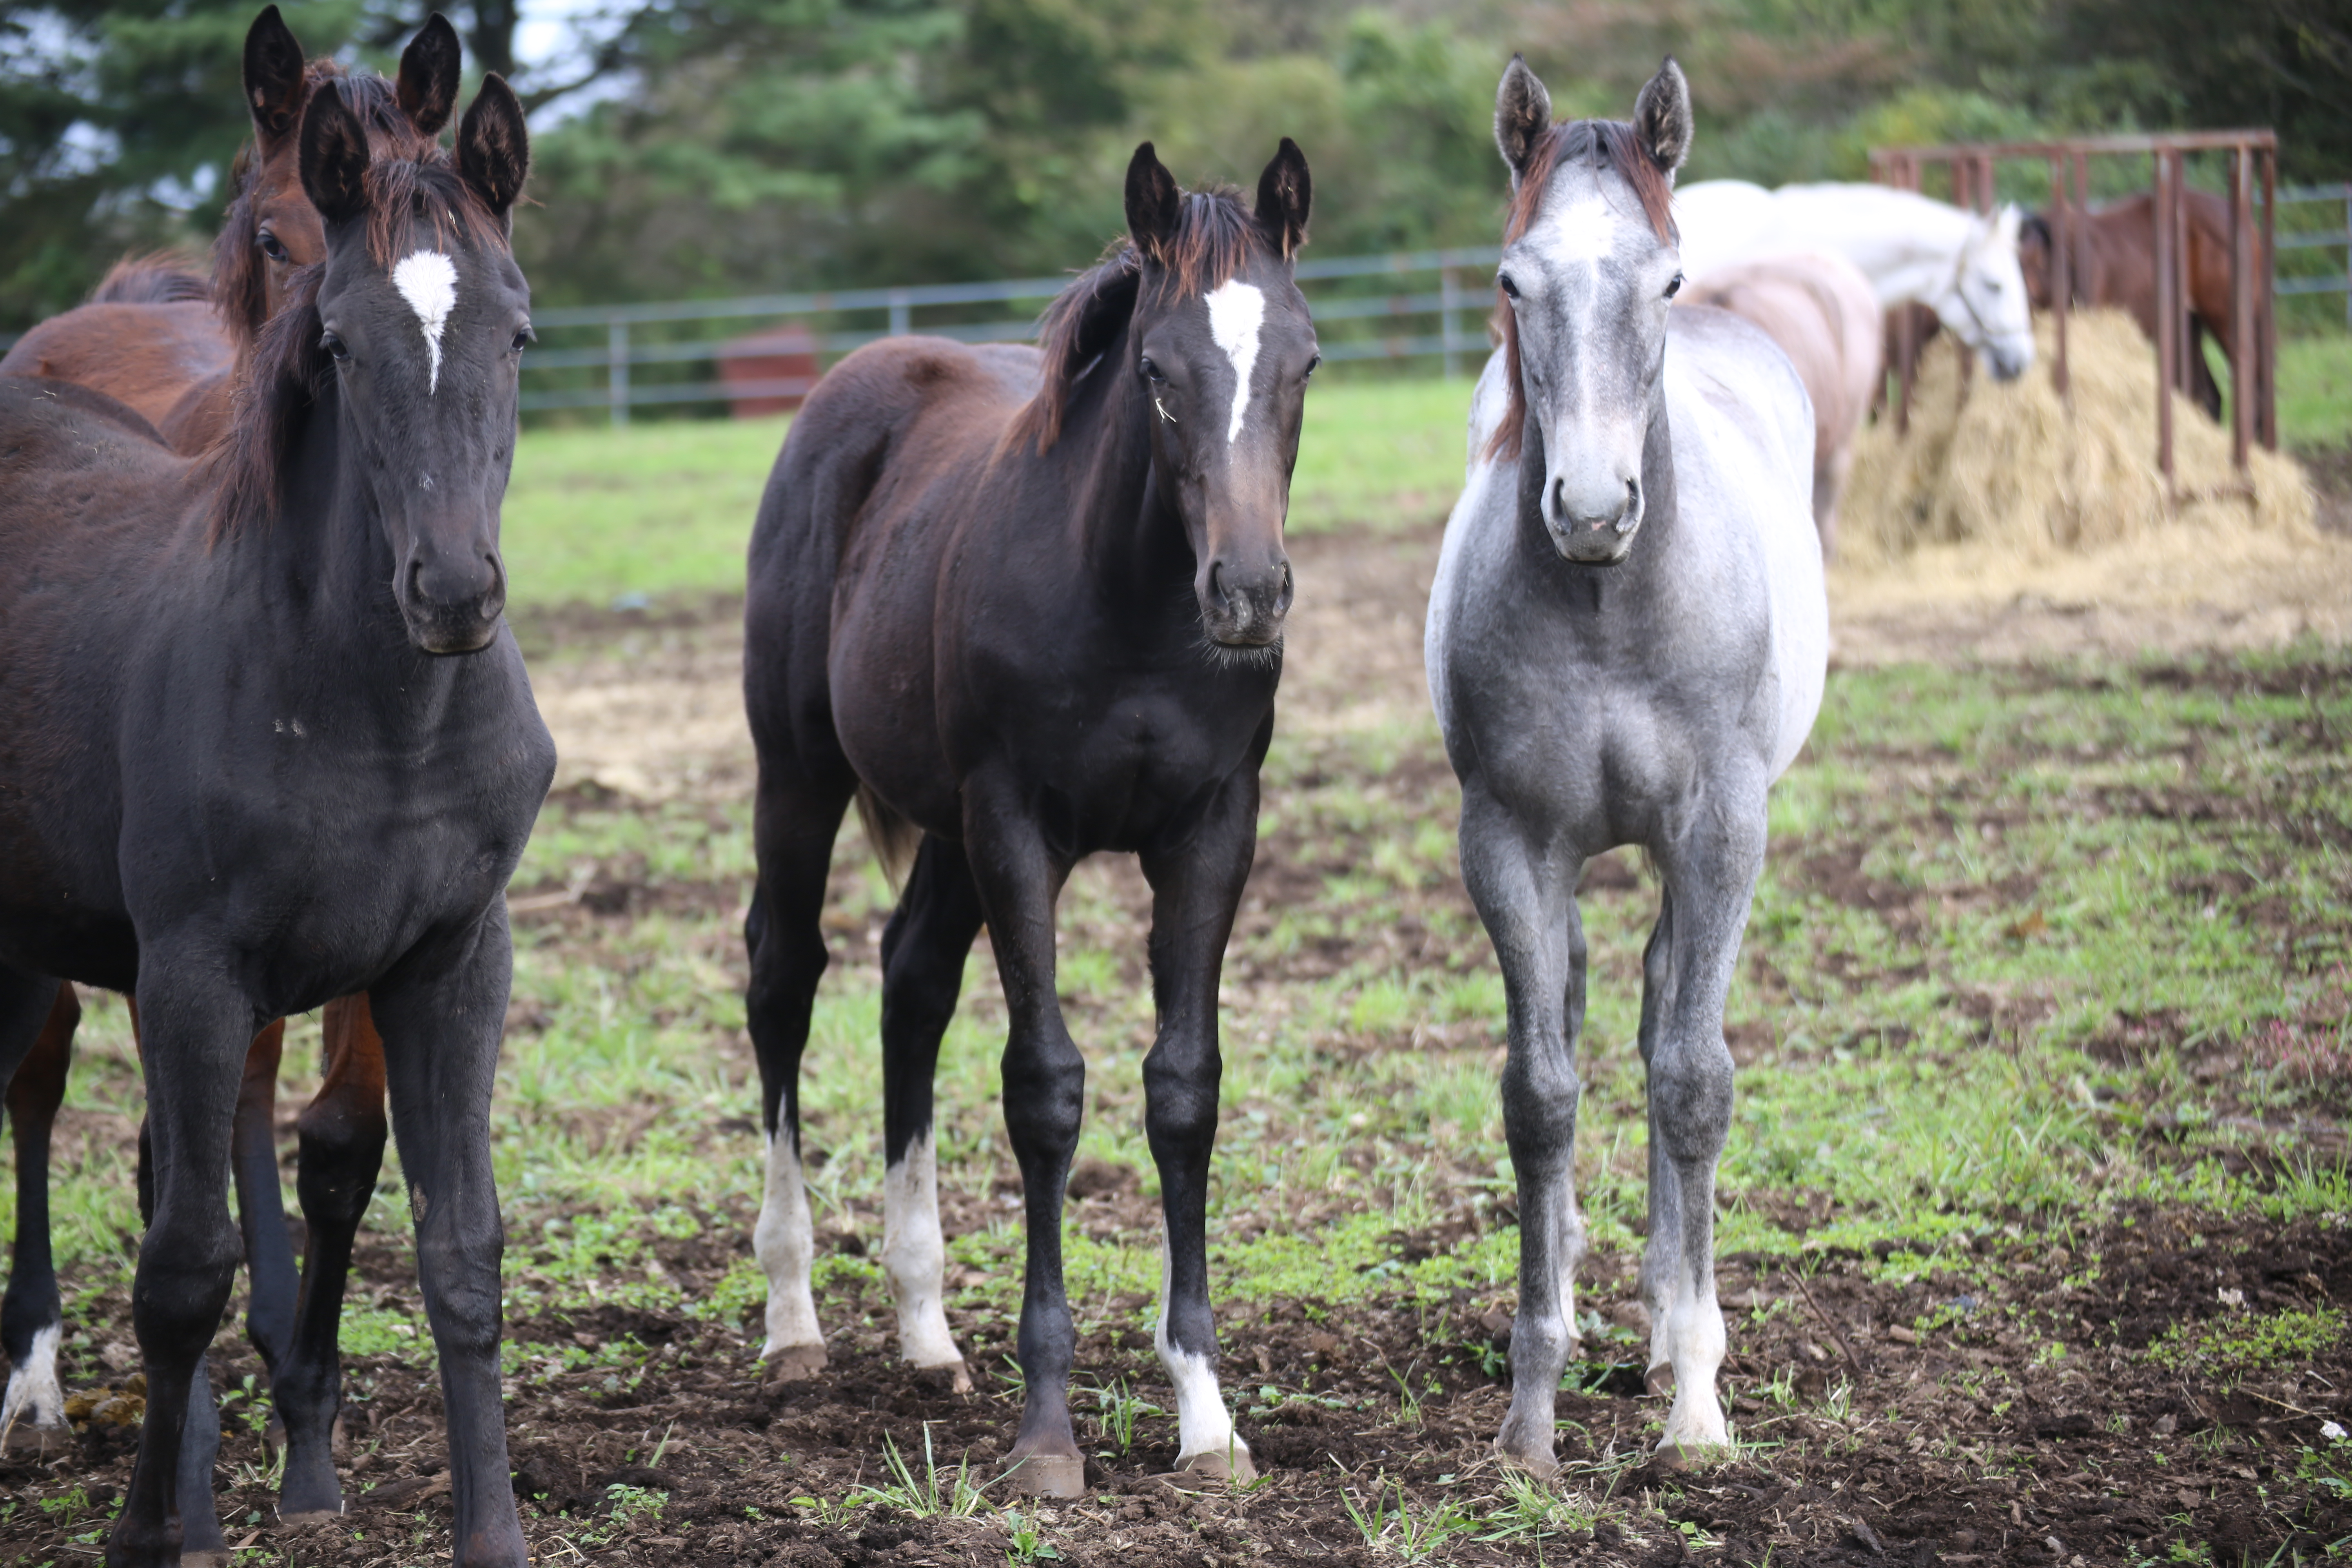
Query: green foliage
2229, 1348
768, 143
117, 123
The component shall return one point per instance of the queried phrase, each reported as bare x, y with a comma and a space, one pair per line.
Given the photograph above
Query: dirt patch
1973, 1405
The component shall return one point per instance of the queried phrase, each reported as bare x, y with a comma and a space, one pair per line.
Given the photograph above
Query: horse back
1822, 312
144, 355
1743, 443
879, 465
89, 493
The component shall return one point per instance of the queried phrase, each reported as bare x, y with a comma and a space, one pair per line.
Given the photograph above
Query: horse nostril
1282, 600
1217, 596
1633, 494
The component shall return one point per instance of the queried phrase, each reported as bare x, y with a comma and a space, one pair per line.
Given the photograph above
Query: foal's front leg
194, 1034
1710, 863
441, 1013
1044, 1101
1195, 891
1523, 879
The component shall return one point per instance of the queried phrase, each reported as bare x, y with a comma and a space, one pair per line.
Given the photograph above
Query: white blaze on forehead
1581, 229
429, 282
1236, 311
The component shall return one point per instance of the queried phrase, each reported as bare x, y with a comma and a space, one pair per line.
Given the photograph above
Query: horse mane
1216, 235
240, 273
159, 278
289, 366
1597, 142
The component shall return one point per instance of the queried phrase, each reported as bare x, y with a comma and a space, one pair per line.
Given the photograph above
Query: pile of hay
2014, 467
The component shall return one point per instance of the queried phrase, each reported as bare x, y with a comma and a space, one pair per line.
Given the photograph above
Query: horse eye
334, 346
1508, 287
1151, 370
1313, 364
523, 338
272, 249
1675, 287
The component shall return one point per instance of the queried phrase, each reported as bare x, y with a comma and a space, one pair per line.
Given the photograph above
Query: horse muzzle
1591, 533
452, 603
2009, 358
1245, 607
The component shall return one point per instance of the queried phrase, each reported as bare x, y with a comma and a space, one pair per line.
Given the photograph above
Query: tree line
717, 147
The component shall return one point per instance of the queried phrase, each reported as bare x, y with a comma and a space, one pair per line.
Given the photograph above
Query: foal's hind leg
342, 1135
923, 953
260, 1211
33, 1412
1524, 883
1710, 867
794, 830
1195, 891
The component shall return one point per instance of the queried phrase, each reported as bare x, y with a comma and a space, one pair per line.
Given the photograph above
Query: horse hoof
950, 1374
204, 1559
310, 1517
1048, 1475
795, 1363
1231, 1466
1660, 1379
26, 1439
1676, 1453
1540, 1463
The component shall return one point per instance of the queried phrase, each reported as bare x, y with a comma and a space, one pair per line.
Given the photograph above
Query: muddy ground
2025, 1423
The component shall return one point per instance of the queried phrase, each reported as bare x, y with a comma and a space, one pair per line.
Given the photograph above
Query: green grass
661, 509
665, 510
2314, 389
2054, 860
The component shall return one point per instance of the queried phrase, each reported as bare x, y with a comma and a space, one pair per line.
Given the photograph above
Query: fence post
1449, 293
901, 314
616, 375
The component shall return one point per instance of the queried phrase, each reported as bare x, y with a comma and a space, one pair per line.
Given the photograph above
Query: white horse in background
1912, 248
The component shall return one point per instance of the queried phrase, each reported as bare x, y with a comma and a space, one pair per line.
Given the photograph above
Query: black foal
1026, 606
268, 742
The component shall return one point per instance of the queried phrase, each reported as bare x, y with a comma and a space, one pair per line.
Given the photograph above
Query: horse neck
1910, 246
1130, 531
323, 561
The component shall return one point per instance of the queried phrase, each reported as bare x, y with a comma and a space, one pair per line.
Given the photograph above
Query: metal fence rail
2327, 238
1357, 320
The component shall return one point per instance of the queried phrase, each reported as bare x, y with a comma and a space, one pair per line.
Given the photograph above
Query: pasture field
2036, 1224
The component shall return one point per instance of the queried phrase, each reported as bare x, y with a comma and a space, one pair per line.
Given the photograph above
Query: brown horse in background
2114, 264
160, 340
1823, 312
148, 334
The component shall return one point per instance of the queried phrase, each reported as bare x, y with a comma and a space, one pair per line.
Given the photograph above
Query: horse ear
429, 67
334, 157
1522, 115
1283, 194
1154, 205
273, 76
494, 146
1661, 118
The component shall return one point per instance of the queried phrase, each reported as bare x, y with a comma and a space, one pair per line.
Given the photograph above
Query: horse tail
161, 278
894, 838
